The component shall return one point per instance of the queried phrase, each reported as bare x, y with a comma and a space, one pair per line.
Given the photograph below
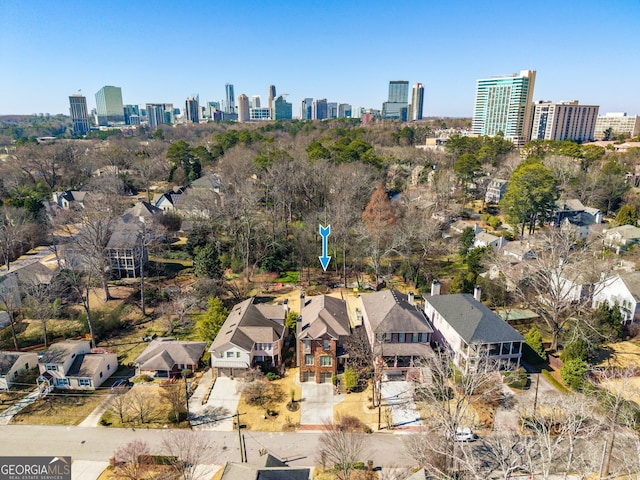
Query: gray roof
274, 312
324, 315
247, 325
211, 181
58, 352
264, 468
85, 365
8, 359
142, 209
125, 235
164, 353
473, 320
390, 311
632, 281
628, 232
486, 237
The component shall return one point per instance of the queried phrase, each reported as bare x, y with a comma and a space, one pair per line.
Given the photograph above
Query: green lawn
60, 408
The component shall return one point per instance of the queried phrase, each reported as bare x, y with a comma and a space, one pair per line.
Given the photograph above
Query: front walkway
217, 414
317, 404
87, 470
398, 396
7, 415
93, 420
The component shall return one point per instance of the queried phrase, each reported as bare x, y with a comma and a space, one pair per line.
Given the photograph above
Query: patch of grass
253, 416
357, 405
553, 381
289, 277
60, 408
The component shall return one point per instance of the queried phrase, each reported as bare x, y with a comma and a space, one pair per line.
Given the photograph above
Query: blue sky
345, 51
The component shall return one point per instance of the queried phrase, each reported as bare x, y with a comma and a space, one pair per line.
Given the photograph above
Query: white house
73, 365
622, 290
484, 239
519, 251
15, 363
248, 338
460, 225
620, 238
464, 325
496, 189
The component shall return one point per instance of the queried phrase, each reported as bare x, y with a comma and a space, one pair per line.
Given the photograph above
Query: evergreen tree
210, 323
207, 262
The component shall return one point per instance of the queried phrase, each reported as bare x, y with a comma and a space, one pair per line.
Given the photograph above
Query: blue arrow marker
324, 259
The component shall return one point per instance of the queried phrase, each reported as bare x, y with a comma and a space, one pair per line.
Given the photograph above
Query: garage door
306, 376
325, 378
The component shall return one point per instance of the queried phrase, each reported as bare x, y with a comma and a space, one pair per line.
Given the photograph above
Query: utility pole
535, 398
186, 396
142, 245
243, 457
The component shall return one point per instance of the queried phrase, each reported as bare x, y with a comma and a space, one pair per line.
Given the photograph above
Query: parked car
465, 435
122, 383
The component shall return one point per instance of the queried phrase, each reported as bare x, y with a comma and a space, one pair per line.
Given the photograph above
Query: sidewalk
7, 415
93, 420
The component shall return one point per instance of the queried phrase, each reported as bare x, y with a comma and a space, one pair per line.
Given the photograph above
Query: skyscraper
344, 110
79, 114
504, 104
160, 113
612, 124
417, 102
230, 106
564, 121
282, 110
192, 110
255, 101
272, 96
243, 108
109, 106
397, 103
305, 109
319, 109
131, 115
332, 110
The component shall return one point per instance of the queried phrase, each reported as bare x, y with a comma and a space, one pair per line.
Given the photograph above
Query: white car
465, 435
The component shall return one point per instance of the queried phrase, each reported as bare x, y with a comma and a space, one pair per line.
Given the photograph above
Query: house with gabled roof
168, 357
465, 325
623, 290
484, 239
622, 237
126, 250
264, 468
70, 198
248, 338
397, 329
13, 364
74, 365
321, 331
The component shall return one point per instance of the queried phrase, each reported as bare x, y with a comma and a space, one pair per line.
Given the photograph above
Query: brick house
323, 326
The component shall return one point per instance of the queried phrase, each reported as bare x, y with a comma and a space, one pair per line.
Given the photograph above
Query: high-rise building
398, 101
272, 96
160, 113
319, 109
332, 110
79, 114
129, 112
344, 110
255, 101
417, 102
563, 121
282, 110
230, 106
610, 125
192, 110
243, 108
211, 108
258, 114
504, 104
109, 106
306, 109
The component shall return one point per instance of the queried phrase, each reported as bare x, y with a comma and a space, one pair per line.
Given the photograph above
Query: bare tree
341, 449
176, 395
188, 450
10, 299
143, 404
41, 305
120, 404
14, 228
130, 460
181, 305
502, 455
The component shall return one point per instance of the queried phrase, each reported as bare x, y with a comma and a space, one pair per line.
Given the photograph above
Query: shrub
350, 379
144, 378
271, 376
263, 393
517, 378
533, 338
574, 372
348, 423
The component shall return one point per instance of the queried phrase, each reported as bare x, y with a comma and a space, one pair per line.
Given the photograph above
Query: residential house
519, 250
264, 468
13, 284
622, 237
203, 198
74, 365
495, 190
70, 198
323, 326
572, 213
484, 239
465, 325
127, 250
460, 225
13, 364
168, 202
248, 338
623, 290
168, 357
397, 329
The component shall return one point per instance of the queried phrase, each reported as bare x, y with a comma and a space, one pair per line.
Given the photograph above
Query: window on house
84, 382
308, 359
229, 354
100, 374
325, 361
108, 367
237, 354
325, 344
62, 382
394, 338
415, 338
387, 338
52, 368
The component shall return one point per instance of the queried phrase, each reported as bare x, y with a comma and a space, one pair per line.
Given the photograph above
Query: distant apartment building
417, 102
272, 97
503, 104
397, 104
192, 110
319, 109
160, 114
344, 110
306, 109
255, 101
79, 114
109, 106
332, 110
230, 106
243, 108
282, 110
259, 114
131, 115
620, 124
564, 121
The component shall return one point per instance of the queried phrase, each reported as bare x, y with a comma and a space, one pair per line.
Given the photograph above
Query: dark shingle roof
390, 311
164, 353
473, 320
8, 359
324, 315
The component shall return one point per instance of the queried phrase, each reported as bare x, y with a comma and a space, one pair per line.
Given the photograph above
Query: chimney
285, 304
435, 288
477, 292
411, 298
301, 302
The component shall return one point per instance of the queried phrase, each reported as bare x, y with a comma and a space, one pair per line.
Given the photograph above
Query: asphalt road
98, 444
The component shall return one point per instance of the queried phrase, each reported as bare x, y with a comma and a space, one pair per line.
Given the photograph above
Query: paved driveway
217, 413
317, 403
398, 396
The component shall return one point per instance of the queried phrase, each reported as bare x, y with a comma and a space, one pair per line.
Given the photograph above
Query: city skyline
462, 42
